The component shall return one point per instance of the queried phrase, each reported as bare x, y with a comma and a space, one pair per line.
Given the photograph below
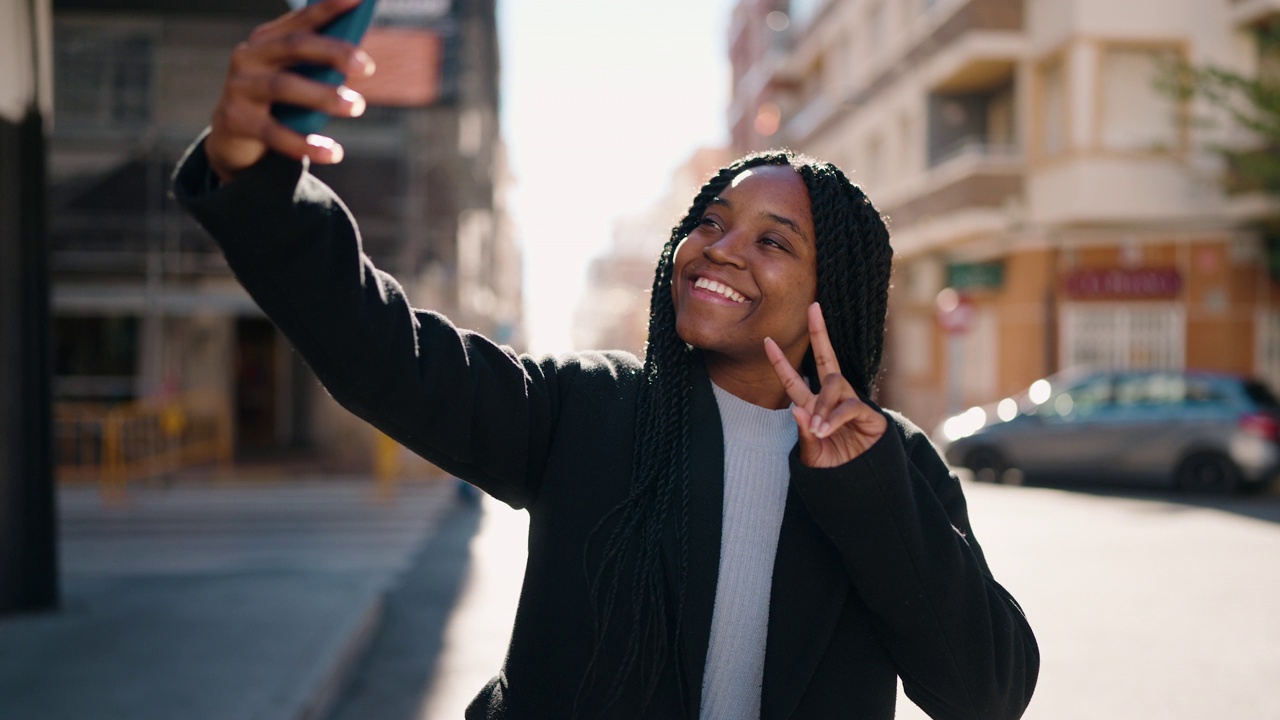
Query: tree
1251, 101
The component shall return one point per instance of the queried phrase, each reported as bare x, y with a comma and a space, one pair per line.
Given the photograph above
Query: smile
719, 289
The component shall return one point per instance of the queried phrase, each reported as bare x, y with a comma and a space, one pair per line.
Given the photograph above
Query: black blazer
877, 574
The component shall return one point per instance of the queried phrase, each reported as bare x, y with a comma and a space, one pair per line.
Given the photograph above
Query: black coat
877, 573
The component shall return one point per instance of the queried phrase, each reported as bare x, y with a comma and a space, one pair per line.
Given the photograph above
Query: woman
730, 529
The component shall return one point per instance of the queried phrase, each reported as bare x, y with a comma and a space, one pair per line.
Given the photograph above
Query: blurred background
1068, 183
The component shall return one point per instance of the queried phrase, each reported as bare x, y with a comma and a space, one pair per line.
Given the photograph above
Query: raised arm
898, 517
467, 404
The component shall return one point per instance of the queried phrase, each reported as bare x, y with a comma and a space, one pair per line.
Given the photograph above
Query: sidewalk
214, 601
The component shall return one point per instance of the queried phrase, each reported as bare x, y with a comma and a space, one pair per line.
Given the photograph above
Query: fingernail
330, 151
815, 424
354, 99
362, 65
825, 430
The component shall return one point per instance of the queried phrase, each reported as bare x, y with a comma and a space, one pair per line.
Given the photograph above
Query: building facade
614, 310
1050, 205
144, 304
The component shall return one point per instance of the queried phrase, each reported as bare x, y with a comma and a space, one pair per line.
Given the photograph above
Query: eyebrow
780, 219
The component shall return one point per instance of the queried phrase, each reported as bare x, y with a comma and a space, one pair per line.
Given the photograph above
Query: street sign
955, 311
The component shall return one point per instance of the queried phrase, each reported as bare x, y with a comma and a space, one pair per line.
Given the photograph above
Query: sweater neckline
770, 430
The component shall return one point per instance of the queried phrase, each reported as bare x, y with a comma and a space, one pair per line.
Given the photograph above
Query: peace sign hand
835, 425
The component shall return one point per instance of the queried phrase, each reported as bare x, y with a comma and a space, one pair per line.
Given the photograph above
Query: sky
601, 101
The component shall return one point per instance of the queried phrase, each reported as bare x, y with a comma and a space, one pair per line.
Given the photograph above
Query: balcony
971, 48
970, 189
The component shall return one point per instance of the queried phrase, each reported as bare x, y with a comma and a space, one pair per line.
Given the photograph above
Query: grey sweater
757, 442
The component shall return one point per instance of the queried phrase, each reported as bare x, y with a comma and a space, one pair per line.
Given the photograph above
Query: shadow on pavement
1263, 505
393, 677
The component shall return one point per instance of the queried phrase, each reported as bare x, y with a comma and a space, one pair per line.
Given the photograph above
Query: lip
709, 296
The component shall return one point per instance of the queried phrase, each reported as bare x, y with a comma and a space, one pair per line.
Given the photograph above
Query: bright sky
601, 101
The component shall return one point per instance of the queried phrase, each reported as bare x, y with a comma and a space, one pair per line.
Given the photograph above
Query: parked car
1200, 431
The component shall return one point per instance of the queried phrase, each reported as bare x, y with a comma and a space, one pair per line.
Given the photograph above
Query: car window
1145, 390
1260, 394
1080, 400
1203, 391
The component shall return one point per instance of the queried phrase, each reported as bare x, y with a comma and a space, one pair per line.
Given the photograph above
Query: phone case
351, 27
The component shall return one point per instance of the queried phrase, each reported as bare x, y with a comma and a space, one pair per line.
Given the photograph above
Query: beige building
614, 311
1032, 169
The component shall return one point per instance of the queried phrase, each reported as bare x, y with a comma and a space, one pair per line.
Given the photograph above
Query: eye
774, 242
710, 221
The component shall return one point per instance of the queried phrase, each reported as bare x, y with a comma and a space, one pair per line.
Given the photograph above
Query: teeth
720, 289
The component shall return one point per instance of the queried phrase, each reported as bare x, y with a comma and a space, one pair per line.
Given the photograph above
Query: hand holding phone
261, 81
350, 27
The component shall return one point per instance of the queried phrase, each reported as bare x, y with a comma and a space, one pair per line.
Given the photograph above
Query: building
144, 303
614, 311
1049, 205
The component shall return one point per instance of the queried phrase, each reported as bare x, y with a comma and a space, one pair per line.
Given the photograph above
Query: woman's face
749, 269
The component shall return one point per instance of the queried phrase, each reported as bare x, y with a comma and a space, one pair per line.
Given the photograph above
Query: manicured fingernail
330, 151
362, 65
354, 99
815, 424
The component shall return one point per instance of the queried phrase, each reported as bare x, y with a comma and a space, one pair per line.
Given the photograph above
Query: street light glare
1039, 391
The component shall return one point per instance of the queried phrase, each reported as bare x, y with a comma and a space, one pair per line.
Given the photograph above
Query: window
1120, 336
95, 357
102, 79
1136, 115
1053, 106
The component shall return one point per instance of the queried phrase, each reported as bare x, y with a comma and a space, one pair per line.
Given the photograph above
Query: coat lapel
706, 499
810, 586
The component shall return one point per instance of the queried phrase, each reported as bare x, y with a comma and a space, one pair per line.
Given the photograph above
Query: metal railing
115, 445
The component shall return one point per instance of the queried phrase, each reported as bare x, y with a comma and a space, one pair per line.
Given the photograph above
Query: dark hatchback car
1196, 430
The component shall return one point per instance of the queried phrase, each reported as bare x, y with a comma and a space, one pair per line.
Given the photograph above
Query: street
1146, 605
259, 600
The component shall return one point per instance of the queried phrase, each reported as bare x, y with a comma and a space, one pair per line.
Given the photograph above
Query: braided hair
854, 259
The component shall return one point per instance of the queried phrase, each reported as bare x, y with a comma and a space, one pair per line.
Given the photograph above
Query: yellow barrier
139, 440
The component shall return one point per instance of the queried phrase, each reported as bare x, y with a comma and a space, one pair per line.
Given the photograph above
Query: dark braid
852, 280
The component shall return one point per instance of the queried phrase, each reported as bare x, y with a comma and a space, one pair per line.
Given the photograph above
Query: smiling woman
728, 528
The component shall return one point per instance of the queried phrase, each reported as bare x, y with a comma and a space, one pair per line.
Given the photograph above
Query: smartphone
349, 26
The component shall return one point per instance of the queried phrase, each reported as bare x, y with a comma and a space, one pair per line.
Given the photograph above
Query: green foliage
1252, 102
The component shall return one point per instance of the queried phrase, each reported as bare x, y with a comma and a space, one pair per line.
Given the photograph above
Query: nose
725, 251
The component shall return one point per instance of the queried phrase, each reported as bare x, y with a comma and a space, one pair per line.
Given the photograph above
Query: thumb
809, 443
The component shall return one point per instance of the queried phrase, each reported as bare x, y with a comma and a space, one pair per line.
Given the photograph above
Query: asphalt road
1146, 605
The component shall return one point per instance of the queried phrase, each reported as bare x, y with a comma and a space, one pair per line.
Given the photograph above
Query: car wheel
988, 465
1208, 472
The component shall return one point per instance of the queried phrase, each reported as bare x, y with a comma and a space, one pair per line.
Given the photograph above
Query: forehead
772, 190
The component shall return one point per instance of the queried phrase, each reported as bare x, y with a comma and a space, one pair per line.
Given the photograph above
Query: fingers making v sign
835, 425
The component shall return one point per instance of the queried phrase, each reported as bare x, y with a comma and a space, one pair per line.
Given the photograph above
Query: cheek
679, 259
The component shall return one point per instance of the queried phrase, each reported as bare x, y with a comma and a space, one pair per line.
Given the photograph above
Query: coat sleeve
897, 514
474, 408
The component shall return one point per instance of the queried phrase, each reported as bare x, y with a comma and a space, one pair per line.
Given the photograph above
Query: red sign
1120, 283
955, 312
409, 67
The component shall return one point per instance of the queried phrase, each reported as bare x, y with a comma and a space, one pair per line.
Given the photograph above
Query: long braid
852, 278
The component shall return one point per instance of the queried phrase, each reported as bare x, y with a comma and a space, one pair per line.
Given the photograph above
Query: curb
319, 702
